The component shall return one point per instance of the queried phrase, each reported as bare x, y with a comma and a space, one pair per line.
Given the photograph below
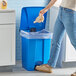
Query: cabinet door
7, 36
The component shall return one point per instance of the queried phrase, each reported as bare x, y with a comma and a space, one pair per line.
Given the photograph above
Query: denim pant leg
58, 34
69, 20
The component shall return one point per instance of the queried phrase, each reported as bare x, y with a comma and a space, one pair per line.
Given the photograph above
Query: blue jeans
66, 22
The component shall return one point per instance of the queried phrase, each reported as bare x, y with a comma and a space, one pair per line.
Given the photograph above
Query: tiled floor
19, 71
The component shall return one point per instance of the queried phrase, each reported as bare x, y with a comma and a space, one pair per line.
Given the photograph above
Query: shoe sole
42, 70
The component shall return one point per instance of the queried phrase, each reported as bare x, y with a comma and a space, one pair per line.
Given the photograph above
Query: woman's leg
70, 24
69, 20
58, 34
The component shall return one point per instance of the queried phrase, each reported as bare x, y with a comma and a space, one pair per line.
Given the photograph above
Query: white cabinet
7, 37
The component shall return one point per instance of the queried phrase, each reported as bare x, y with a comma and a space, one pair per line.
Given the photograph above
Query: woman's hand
40, 18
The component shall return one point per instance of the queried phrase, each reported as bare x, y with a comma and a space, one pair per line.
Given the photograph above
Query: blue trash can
35, 45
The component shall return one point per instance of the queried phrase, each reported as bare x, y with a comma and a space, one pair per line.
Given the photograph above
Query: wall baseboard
6, 69
69, 65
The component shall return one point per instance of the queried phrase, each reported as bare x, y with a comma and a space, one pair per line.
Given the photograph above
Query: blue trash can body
34, 51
